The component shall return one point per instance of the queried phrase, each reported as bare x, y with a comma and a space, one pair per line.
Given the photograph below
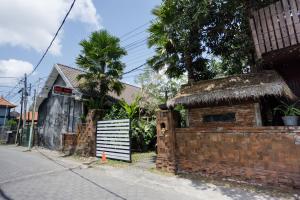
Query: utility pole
18, 135
32, 121
25, 104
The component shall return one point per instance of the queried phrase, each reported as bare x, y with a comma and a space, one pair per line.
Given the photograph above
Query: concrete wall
54, 118
261, 155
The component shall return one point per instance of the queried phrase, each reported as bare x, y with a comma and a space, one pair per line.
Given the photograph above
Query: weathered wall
264, 155
267, 155
166, 141
245, 114
54, 116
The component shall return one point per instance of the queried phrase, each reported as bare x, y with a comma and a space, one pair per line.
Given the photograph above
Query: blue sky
23, 36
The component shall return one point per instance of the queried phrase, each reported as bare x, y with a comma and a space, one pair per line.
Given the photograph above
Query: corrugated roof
4, 102
128, 94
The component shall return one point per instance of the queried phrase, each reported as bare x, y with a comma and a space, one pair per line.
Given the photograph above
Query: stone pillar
166, 140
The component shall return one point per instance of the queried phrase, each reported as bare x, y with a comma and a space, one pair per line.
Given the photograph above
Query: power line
138, 33
42, 58
134, 69
135, 43
137, 46
128, 33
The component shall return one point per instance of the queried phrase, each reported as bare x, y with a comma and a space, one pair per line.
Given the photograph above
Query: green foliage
12, 123
177, 35
143, 131
115, 112
100, 57
154, 86
288, 109
188, 34
132, 110
183, 115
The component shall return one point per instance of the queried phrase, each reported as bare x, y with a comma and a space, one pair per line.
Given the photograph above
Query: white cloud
31, 24
13, 68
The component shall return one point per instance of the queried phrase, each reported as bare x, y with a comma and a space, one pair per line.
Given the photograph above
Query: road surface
41, 175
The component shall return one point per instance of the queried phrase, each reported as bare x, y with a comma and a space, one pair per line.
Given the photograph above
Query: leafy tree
12, 123
154, 87
115, 112
177, 34
188, 34
100, 57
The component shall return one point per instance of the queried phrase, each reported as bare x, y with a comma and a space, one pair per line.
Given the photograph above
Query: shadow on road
4, 196
235, 191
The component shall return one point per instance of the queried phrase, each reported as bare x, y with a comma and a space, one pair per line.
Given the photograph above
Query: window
227, 117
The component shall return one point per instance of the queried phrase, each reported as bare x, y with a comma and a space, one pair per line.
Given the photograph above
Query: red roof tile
4, 102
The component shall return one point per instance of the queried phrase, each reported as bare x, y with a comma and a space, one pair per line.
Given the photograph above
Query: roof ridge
59, 64
86, 71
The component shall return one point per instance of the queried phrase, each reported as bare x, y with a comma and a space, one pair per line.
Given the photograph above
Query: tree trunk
188, 65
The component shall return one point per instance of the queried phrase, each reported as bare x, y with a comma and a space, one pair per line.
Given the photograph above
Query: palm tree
100, 58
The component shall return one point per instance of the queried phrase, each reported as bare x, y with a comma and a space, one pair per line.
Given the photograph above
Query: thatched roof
239, 87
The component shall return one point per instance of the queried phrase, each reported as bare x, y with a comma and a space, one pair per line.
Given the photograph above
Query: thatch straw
239, 87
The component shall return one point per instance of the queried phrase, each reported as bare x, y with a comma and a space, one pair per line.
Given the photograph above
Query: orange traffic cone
103, 157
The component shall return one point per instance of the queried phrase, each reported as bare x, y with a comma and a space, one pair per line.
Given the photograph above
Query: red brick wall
267, 155
69, 142
86, 135
263, 155
166, 141
244, 113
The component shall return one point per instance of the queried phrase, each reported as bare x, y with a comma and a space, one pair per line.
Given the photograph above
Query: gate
113, 138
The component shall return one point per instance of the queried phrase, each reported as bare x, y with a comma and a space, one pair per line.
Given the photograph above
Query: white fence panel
113, 138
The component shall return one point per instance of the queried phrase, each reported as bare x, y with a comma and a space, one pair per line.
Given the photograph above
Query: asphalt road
41, 175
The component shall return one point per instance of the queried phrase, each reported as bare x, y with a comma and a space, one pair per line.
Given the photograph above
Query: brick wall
69, 143
264, 155
86, 135
267, 155
245, 115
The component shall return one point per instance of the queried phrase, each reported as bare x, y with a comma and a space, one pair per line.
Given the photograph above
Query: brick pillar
166, 145
86, 136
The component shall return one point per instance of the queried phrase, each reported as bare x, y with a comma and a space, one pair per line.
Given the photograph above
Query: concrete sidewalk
44, 174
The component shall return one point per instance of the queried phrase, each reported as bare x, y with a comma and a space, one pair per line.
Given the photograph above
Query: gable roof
5, 103
128, 94
238, 87
69, 75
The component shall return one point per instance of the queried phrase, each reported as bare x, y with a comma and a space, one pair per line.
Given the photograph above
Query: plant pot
290, 120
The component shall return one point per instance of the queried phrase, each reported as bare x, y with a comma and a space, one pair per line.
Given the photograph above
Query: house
29, 117
14, 114
60, 114
233, 131
5, 107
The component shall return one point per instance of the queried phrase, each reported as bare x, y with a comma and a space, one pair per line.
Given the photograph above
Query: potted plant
291, 113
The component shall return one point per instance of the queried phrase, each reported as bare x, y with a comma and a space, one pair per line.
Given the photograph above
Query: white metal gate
113, 138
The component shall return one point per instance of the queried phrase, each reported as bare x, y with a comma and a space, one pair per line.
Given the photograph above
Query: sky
26, 30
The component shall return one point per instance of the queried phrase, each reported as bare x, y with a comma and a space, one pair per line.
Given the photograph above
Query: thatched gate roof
238, 87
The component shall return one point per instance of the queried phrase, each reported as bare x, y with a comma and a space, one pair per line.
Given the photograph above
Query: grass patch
159, 172
135, 157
